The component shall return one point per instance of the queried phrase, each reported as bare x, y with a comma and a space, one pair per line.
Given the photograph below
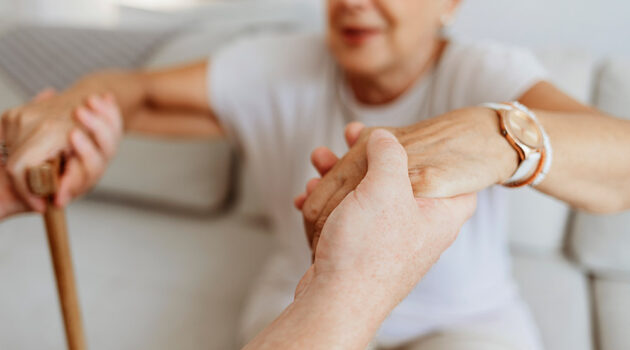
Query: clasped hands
450, 155
447, 156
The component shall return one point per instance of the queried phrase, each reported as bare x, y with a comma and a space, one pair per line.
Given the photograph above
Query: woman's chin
364, 65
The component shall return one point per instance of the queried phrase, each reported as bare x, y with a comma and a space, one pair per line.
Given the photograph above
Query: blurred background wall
597, 26
600, 26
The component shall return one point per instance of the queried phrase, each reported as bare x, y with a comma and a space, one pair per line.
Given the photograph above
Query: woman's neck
392, 83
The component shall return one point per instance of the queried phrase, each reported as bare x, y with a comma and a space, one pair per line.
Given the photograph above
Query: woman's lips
358, 36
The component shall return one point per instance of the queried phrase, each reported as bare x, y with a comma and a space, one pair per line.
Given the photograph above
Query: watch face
523, 128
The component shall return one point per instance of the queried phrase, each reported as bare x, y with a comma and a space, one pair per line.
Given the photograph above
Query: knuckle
48, 123
5, 116
426, 179
13, 116
310, 212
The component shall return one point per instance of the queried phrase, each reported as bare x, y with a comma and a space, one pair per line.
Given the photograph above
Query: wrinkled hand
41, 130
380, 235
453, 154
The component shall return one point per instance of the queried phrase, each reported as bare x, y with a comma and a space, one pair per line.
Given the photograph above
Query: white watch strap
525, 169
546, 145
527, 166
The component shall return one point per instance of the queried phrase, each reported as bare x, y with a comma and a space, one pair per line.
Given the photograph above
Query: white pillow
188, 174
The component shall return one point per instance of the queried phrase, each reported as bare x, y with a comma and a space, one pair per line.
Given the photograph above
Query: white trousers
509, 327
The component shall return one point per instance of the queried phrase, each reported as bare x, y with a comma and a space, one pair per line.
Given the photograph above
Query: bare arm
170, 102
375, 247
463, 151
591, 165
327, 315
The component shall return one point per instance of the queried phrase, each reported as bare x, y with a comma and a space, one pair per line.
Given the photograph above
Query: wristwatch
525, 134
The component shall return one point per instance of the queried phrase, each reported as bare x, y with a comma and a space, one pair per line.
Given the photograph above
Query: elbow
614, 203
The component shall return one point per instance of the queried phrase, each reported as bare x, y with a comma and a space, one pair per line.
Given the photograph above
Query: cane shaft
64, 274
44, 181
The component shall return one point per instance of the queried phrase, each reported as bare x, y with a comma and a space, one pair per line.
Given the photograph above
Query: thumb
353, 132
386, 158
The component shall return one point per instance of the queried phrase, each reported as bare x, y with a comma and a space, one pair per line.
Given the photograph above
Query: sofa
168, 244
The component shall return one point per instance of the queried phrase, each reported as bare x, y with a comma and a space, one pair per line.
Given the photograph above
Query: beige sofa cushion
613, 88
189, 174
147, 279
9, 94
612, 308
536, 222
557, 293
601, 243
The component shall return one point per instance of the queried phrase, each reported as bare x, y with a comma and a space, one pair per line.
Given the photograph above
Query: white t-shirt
280, 97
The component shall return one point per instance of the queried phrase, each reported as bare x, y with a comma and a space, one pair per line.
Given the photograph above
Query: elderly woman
382, 63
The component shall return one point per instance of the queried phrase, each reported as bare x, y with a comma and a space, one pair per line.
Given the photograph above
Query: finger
90, 159
100, 130
45, 143
298, 201
19, 178
333, 202
352, 132
311, 184
323, 159
71, 182
387, 160
10, 128
106, 107
10, 204
45, 94
310, 187
329, 185
315, 203
2, 121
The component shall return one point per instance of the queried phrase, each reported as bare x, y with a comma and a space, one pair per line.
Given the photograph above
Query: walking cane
44, 181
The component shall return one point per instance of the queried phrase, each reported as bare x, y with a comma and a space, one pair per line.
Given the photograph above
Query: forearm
464, 151
591, 160
156, 101
128, 87
325, 317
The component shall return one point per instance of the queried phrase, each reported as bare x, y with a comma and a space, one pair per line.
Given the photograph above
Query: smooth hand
456, 153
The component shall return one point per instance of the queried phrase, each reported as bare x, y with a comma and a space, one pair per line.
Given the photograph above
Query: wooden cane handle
44, 181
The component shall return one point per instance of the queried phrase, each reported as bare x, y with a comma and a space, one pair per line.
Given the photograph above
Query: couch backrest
600, 243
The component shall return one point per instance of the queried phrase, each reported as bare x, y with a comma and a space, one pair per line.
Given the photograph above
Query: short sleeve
258, 87
492, 72
237, 82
